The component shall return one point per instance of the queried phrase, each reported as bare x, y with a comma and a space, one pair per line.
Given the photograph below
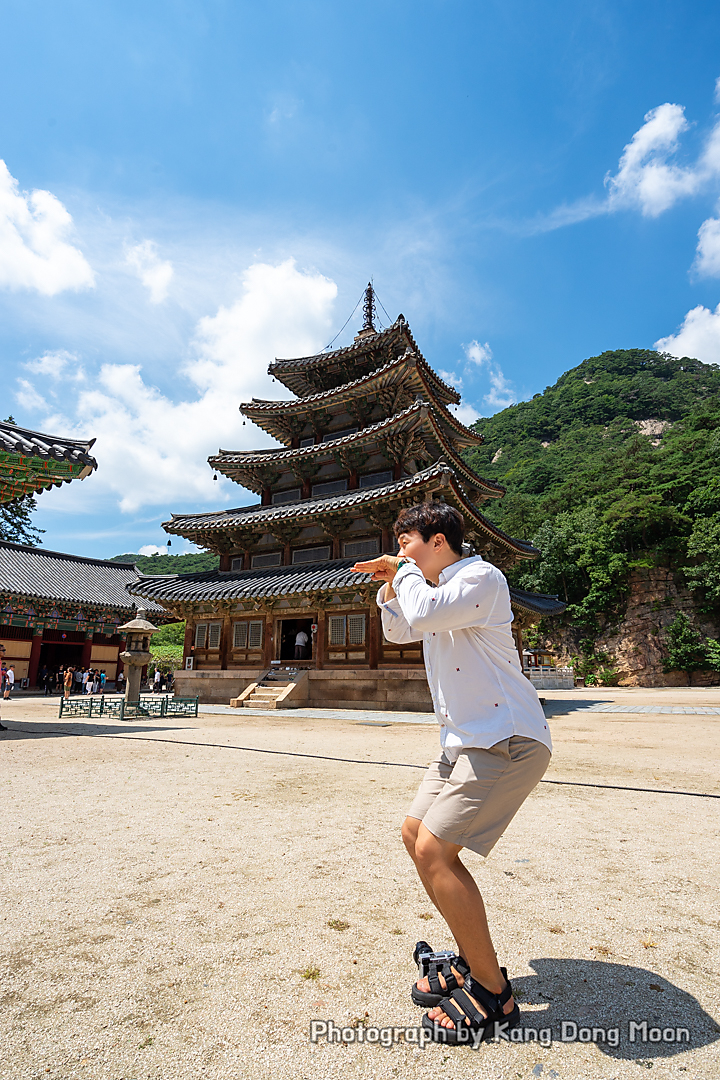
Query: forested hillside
613, 468
171, 564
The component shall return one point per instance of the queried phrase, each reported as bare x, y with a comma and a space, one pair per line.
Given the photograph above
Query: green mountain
171, 564
614, 467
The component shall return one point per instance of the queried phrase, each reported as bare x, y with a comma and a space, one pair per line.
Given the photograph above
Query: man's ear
438, 540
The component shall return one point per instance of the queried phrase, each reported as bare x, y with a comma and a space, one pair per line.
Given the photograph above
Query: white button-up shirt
479, 691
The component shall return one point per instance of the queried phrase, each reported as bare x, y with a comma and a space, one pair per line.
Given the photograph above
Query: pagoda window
213, 638
248, 635
312, 554
200, 635
309, 441
344, 630
293, 495
352, 549
339, 434
272, 558
330, 487
236, 564
373, 479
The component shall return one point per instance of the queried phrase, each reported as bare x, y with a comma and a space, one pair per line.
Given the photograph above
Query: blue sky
190, 189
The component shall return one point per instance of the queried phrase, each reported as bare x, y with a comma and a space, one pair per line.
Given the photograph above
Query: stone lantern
137, 652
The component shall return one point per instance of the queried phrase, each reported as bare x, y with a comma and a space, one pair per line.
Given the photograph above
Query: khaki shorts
472, 801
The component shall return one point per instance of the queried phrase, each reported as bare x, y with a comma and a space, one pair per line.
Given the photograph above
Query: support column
187, 645
225, 642
266, 497
246, 560
35, 656
320, 640
287, 554
87, 651
353, 480
225, 562
397, 470
386, 542
268, 641
374, 631
335, 547
306, 489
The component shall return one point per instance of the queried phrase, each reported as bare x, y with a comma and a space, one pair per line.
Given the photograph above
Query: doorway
289, 630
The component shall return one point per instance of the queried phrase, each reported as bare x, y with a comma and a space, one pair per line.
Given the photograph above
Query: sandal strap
481, 995
445, 968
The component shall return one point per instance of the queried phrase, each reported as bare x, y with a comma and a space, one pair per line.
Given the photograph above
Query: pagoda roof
247, 466
53, 575
269, 414
32, 462
307, 375
207, 529
216, 586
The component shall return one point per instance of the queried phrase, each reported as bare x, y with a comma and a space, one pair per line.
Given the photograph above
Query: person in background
120, 682
10, 682
103, 680
96, 681
43, 677
157, 679
78, 681
301, 642
68, 680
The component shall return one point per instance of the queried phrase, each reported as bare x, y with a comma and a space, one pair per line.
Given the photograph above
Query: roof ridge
7, 425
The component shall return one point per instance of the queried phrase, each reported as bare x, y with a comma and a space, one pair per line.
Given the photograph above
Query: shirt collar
451, 571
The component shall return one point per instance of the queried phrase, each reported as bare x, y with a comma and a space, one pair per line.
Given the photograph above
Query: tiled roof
53, 575
17, 440
266, 516
214, 586
294, 373
325, 397
538, 603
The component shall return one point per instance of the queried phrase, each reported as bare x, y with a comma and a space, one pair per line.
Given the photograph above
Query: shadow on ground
558, 706
594, 994
70, 728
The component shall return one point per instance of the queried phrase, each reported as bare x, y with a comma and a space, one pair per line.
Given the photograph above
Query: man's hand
384, 568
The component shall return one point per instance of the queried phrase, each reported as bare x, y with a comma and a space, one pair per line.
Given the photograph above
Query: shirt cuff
387, 605
408, 569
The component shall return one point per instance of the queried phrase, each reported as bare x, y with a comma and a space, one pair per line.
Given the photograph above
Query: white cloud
152, 549
153, 451
34, 250
154, 272
27, 396
717, 91
501, 392
707, 259
645, 179
698, 337
56, 363
450, 378
466, 414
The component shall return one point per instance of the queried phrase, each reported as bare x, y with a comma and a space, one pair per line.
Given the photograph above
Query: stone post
137, 652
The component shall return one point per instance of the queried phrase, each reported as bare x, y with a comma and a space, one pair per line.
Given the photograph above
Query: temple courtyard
183, 899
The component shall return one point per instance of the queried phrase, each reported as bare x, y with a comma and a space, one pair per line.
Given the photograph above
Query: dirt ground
176, 904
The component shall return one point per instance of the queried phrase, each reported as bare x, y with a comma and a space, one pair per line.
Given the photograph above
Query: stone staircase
273, 685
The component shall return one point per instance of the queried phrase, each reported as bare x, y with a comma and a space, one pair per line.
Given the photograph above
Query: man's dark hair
430, 518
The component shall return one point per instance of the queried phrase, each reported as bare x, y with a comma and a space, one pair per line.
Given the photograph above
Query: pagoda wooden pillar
397, 470
374, 631
320, 640
266, 497
35, 656
225, 562
335, 547
246, 560
87, 651
306, 489
353, 481
386, 542
225, 640
187, 644
287, 554
268, 643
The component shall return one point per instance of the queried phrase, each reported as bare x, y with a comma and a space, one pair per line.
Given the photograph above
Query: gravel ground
175, 905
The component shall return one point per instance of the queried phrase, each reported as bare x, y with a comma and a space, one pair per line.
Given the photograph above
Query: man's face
424, 553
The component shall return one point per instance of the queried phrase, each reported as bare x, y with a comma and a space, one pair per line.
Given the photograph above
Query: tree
687, 649
15, 521
704, 546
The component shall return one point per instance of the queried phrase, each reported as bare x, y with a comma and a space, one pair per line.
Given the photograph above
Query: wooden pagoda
368, 432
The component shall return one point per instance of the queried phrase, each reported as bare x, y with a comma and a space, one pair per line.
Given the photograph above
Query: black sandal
431, 966
469, 1021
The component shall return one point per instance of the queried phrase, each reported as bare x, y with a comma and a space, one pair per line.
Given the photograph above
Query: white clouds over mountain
35, 252
501, 393
699, 336
152, 450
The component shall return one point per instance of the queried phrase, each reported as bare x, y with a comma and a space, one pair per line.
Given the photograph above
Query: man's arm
467, 599
395, 626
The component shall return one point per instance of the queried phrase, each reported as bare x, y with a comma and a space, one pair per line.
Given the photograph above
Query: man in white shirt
301, 640
10, 685
495, 749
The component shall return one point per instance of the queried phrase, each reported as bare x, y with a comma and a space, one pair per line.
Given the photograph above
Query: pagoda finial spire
369, 308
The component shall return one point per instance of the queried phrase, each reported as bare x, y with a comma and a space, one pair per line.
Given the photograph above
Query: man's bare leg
454, 892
